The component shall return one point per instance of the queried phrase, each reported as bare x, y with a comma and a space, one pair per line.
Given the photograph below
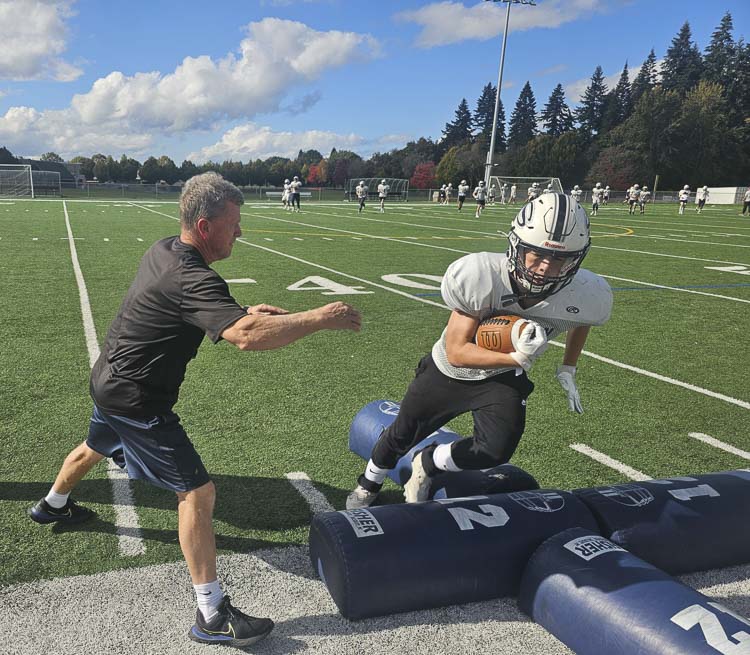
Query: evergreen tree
482, 120
683, 64
591, 112
6, 156
459, 131
720, 54
619, 103
523, 119
557, 117
646, 78
738, 94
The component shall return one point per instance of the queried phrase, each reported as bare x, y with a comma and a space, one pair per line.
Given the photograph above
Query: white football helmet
705, 188
554, 225
382, 181
575, 188
549, 186
286, 181
463, 181
481, 182
493, 186
686, 188
645, 188
296, 178
535, 184
598, 185
635, 186
606, 187
361, 183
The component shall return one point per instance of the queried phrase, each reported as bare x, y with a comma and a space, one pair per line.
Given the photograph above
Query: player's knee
83, 454
203, 496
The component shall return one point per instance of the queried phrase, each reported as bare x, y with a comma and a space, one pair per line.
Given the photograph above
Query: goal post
16, 181
523, 184
398, 187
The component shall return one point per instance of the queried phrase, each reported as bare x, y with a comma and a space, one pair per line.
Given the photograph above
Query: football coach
176, 299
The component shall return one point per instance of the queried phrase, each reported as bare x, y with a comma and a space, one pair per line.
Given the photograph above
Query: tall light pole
488, 165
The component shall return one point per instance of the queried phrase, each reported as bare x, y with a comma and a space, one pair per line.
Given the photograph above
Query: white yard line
315, 499
662, 254
719, 444
129, 536
662, 286
628, 367
618, 466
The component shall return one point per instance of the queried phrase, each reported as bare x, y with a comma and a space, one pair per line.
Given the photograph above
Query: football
494, 333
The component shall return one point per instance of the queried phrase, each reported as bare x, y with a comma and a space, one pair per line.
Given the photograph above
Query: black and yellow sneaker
230, 627
43, 512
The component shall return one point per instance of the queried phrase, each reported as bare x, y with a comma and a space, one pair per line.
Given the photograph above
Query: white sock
209, 597
443, 458
56, 500
374, 473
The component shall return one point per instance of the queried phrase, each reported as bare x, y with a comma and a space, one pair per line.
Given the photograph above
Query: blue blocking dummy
397, 558
599, 599
678, 524
375, 417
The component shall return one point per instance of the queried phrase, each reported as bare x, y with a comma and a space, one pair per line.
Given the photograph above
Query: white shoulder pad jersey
480, 193
684, 195
294, 186
576, 194
644, 197
747, 195
479, 284
634, 194
596, 195
383, 190
702, 195
362, 191
463, 189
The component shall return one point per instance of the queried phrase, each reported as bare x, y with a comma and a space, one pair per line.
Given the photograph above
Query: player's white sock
443, 458
374, 473
58, 501
209, 597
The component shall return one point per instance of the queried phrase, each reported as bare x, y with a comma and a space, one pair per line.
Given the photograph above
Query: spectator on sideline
176, 299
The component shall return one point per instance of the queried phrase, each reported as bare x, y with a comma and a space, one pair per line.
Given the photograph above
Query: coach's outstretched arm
266, 327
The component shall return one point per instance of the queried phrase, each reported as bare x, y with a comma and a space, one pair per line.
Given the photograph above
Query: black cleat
43, 512
230, 627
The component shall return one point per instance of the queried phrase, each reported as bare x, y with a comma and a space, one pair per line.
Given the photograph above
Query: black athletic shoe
43, 512
230, 627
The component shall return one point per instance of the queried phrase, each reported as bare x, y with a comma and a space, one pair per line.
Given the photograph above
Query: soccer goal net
504, 191
16, 181
398, 189
46, 183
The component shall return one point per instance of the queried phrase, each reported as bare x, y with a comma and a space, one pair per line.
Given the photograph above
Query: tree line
687, 121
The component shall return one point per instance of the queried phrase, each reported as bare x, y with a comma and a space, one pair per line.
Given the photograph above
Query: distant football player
285, 196
643, 199
175, 301
548, 189
512, 198
294, 188
503, 193
746, 202
576, 193
596, 196
383, 190
702, 196
361, 191
532, 193
605, 195
538, 278
448, 192
480, 195
634, 195
491, 195
683, 198
441, 195
463, 189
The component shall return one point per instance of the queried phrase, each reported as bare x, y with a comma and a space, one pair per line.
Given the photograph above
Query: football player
503, 193
491, 195
294, 193
596, 195
643, 199
746, 202
702, 196
448, 192
383, 189
549, 188
540, 279
683, 197
362, 194
480, 195
441, 195
512, 194
576, 193
605, 197
463, 189
285, 195
634, 194
532, 192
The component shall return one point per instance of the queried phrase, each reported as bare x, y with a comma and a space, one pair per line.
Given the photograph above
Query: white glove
566, 376
529, 344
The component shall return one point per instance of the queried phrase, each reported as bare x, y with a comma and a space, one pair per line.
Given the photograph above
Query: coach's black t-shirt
174, 300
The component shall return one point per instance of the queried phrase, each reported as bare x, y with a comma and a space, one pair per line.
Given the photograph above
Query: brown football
494, 333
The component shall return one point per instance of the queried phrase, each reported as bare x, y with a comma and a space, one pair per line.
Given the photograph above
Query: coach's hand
267, 310
566, 376
340, 316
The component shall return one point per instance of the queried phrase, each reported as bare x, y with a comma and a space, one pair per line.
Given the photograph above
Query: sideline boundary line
615, 464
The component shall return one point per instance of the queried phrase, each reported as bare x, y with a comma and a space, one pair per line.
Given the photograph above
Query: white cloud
448, 22
33, 35
126, 113
252, 141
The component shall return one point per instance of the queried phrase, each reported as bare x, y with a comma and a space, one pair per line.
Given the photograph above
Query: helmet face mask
554, 228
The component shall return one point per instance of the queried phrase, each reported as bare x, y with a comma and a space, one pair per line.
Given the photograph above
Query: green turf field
679, 322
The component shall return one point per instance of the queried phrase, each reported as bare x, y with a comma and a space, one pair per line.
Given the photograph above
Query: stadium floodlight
488, 165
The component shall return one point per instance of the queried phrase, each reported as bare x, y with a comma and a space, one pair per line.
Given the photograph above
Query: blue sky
241, 80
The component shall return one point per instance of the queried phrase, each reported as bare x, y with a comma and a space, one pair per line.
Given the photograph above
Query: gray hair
206, 196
